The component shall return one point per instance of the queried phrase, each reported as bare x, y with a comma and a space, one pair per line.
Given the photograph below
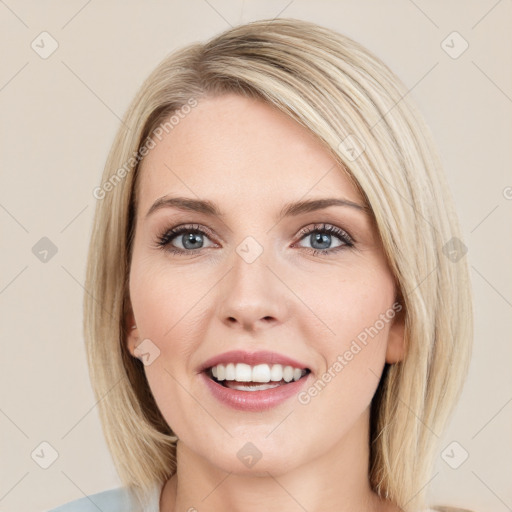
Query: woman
278, 314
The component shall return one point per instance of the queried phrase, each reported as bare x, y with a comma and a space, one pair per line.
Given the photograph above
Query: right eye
190, 238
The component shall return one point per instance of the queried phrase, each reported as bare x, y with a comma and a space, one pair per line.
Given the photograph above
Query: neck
337, 480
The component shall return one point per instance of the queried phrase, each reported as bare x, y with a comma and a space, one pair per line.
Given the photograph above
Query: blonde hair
335, 88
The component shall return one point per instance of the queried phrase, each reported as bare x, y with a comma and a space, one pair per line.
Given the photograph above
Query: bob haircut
347, 98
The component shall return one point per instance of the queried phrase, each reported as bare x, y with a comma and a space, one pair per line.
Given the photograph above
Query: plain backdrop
59, 113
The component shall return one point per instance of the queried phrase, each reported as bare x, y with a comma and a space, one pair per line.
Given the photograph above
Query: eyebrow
289, 210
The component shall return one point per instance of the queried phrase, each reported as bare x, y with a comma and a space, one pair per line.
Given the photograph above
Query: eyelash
164, 241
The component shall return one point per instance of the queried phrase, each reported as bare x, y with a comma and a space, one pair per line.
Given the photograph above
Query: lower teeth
250, 386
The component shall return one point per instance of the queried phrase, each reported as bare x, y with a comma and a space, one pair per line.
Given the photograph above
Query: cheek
347, 301
169, 311
358, 310
167, 304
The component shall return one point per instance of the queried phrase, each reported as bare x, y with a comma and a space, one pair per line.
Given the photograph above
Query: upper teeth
242, 372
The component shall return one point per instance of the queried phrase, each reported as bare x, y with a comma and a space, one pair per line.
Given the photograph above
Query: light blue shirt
113, 500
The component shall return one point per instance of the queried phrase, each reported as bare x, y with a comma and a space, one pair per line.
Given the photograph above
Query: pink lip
251, 358
254, 401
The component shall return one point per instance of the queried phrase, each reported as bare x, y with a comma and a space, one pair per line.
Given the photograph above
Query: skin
251, 159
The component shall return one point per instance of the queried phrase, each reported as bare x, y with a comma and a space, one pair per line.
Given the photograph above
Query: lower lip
254, 400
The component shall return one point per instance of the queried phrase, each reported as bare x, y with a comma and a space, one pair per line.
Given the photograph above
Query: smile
245, 377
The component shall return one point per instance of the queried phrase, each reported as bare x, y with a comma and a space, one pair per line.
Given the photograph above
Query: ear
132, 332
395, 351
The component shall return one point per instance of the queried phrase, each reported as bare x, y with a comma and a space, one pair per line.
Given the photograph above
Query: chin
255, 456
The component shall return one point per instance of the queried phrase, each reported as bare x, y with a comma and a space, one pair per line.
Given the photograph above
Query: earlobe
132, 333
395, 351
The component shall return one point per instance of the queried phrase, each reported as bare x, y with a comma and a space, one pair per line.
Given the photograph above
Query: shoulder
113, 500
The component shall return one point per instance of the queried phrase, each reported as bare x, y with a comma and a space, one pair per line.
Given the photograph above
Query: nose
252, 297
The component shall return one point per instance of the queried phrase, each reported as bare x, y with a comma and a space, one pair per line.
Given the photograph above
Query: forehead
231, 148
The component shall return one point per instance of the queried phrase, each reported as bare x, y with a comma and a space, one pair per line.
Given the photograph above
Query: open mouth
243, 377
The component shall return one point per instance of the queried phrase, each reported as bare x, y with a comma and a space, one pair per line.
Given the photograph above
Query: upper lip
252, 359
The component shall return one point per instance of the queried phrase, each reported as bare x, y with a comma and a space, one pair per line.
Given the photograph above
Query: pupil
321, 238
192, 238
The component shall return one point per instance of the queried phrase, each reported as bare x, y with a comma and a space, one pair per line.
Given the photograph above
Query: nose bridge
251, 294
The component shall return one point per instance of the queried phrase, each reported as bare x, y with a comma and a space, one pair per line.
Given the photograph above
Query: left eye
320, 238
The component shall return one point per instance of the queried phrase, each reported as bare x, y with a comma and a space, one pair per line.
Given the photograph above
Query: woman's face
281, 283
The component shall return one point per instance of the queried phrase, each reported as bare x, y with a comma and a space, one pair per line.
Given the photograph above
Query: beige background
59, 116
